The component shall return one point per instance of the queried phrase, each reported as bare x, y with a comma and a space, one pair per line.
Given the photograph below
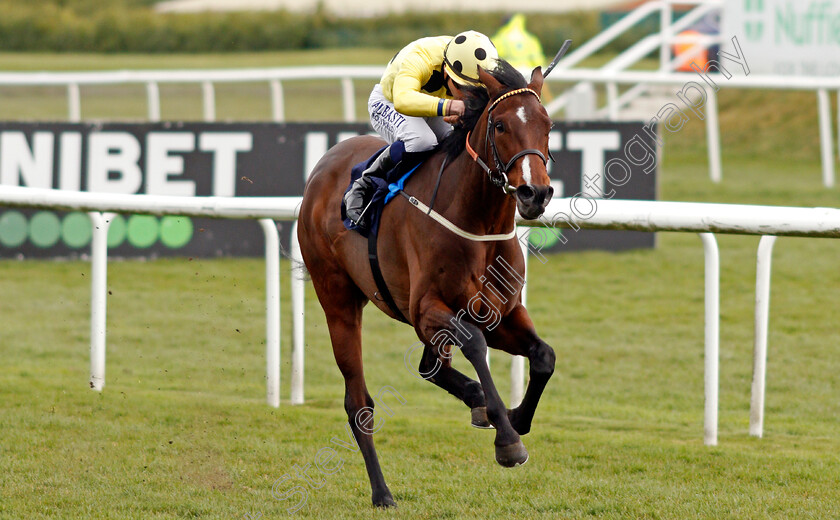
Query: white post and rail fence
702, 218
611, 78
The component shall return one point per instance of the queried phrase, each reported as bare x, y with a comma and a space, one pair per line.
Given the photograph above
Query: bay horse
433, 273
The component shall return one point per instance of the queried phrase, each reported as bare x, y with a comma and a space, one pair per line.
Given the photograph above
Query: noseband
498, 176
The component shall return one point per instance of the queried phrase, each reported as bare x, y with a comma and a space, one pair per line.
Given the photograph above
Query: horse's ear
492, 84
536, 83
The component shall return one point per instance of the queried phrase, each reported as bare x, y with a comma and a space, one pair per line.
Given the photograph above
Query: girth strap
383, 292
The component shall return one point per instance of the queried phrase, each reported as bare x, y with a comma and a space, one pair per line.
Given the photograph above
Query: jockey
414, 104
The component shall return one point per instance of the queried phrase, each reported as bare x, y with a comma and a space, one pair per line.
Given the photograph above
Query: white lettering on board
224, 146
593, 145
113, 163
25, 166
161, 165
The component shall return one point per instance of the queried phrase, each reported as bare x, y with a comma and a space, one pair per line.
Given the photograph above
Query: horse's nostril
549, 194
525, 192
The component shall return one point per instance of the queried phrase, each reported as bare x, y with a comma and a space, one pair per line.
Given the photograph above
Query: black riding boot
356, 198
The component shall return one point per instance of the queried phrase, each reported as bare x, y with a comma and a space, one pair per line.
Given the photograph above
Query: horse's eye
500, 127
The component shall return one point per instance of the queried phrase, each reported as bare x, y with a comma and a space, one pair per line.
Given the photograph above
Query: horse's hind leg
343, 303
436, 367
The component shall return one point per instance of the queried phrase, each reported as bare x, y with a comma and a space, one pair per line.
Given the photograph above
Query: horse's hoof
384, 501
512, 455
479, 418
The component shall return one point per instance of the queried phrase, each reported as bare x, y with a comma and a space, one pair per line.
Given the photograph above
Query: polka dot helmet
465, 53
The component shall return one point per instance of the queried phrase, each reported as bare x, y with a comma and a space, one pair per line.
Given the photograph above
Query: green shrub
128, 26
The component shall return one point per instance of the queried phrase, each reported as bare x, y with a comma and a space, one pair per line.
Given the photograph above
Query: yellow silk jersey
413, 80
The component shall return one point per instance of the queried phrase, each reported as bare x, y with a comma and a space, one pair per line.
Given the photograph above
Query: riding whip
560, 54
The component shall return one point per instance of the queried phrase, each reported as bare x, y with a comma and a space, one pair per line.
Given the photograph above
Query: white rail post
762, 320
517, 363
612, 100
712, 347
349, 99
208, 95
278, 114
665, 16
272, 311
826, 141
598, 42
74, 103
713, 136
98, 296
153, 96
298, 303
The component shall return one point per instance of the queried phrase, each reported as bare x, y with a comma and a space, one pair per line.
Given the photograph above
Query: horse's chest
485, 292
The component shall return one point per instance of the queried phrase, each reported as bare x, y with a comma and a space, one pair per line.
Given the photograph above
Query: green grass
304, 100
182, 430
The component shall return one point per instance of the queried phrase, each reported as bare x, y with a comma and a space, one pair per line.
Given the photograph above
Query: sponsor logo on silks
386, 114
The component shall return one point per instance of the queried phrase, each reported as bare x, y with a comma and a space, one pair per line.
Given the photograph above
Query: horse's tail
299, 269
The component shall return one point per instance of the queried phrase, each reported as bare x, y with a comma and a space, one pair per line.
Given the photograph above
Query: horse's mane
476, 99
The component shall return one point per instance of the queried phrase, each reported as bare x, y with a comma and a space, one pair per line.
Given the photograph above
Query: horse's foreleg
541, 358
436, 317
436, 367
516, 334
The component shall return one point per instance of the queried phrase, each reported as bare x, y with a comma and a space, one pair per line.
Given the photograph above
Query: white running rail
702, 218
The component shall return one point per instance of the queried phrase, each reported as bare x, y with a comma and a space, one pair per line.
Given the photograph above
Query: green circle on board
76, 230
549, 237
116, 231
175, 231
13, 228
44, 229
142, 230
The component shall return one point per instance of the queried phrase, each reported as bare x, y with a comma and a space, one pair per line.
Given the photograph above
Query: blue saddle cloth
386, 190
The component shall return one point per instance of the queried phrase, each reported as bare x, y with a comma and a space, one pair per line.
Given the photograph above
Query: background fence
702, 218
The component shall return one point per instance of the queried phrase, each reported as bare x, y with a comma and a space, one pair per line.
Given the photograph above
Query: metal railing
702, 218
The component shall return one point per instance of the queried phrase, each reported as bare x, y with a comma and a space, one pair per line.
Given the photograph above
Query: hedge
43, 26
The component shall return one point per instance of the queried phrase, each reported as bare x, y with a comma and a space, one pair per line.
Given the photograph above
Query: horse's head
517, 141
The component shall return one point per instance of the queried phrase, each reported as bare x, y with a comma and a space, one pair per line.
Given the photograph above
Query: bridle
498, 176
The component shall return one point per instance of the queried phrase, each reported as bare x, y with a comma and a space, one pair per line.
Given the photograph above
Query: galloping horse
433, 273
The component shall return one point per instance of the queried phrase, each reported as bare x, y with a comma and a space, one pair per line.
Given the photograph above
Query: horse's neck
478, 205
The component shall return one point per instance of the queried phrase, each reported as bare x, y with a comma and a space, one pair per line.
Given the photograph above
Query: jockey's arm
408, 96
411, 101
